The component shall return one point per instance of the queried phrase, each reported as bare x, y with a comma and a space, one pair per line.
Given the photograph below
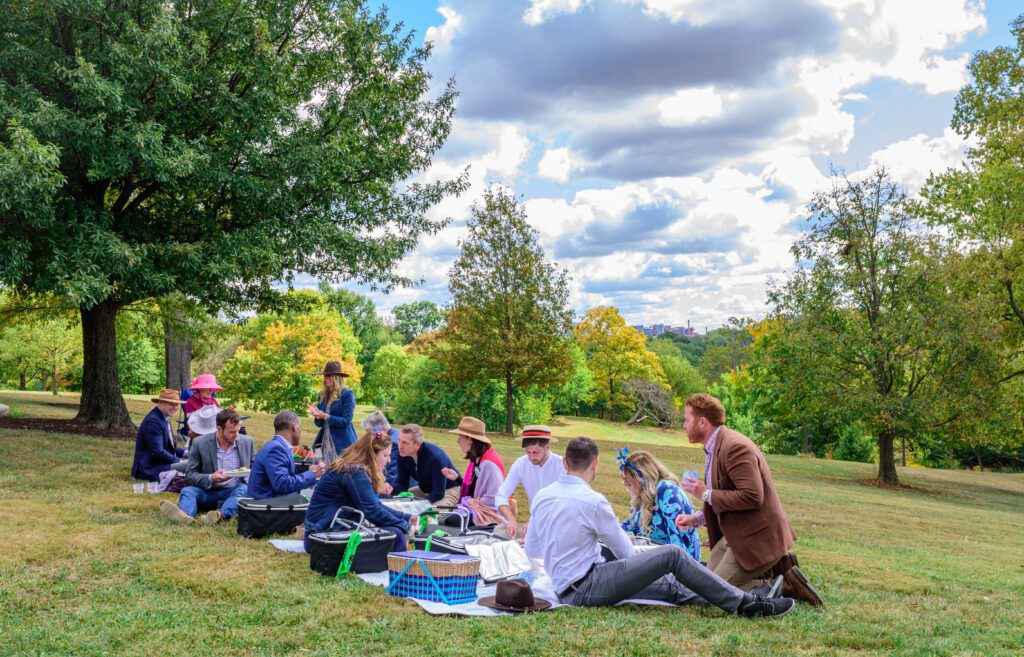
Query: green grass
91, 569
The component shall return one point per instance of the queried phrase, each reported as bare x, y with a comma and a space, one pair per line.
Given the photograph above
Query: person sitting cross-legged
273, 470
155, 451
656, 501
534, 470
210, 460
355, 480
569, 520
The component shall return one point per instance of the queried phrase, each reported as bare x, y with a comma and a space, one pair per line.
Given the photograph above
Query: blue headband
624, 462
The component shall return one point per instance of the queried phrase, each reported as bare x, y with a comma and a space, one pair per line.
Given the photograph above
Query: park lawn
91, 569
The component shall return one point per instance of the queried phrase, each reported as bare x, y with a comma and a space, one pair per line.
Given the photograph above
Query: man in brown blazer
749, 533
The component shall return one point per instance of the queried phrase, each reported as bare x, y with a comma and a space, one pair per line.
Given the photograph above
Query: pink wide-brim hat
205, 382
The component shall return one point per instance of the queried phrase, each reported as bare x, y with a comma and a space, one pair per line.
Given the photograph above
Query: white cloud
558, 164
911, 160
541, 10
441, 35
689, 106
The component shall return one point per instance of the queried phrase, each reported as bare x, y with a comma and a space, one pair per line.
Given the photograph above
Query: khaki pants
451, 496
722, 562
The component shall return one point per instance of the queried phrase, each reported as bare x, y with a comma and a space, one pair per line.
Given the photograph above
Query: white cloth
532, 477
567, 520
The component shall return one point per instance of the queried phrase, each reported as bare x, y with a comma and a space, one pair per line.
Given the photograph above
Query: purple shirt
709, 457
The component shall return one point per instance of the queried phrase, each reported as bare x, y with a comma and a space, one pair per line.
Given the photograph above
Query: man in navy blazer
154, 448
273, 470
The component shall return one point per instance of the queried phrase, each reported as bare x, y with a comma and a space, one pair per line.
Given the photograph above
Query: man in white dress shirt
568, 519
535, 470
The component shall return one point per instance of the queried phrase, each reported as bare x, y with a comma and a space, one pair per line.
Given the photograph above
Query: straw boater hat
203, 420
472, 428
333, 367
168, 396
514, 595
537, 431
205, 382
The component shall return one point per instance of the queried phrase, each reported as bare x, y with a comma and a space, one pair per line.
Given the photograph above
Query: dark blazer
154, 450
273, 472
745, 508
202, 459
339, 420
426, 467
349, 487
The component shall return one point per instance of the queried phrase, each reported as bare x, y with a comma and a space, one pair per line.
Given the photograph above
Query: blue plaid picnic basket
435, 576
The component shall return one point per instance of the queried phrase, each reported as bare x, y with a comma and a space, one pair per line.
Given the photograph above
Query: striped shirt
228, 459
709, 457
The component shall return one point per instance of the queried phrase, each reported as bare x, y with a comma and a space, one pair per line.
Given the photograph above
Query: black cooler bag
273, 515
326, 549
457, 544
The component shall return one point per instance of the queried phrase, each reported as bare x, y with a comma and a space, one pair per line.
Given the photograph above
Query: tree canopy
211, 149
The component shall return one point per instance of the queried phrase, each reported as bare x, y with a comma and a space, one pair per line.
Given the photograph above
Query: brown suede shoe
174, 514
796, 586
211, 518
787, 561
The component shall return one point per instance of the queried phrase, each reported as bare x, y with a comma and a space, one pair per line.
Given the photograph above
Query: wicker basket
447, 578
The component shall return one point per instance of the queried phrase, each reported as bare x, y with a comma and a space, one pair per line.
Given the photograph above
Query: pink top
195, 402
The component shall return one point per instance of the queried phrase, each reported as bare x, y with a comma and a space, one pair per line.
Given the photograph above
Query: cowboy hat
168, 396
203, 420
514, 595
204, 382
537, 432
332, 368
472, 428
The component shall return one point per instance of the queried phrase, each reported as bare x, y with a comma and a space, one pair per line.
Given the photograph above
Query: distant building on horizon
660, 329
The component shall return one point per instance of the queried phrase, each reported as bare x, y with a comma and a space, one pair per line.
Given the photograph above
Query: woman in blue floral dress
656, 501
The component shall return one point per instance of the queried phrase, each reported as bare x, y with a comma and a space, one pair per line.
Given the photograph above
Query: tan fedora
537, 432
472, 428
168, 396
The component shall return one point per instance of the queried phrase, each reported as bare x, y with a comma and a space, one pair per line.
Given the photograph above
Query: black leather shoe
796, 586
773, 590
754, 606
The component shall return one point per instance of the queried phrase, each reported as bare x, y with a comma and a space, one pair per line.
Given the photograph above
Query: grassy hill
91, 569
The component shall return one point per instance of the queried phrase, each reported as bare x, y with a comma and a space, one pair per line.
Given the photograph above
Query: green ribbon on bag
350, 552
405, 495
425, 517
430, 539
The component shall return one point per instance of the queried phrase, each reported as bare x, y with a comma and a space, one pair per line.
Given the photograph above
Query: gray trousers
665, 573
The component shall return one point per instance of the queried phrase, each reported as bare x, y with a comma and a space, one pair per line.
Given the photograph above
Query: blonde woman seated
354, 479
656, 501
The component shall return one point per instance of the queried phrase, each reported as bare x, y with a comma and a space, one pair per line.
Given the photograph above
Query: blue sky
666, 149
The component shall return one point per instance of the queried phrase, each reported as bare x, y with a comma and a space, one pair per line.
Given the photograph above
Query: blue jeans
193, 500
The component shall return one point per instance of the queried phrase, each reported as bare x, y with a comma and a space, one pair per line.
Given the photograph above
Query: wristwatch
705, 496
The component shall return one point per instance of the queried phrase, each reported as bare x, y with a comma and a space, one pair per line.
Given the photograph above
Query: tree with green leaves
412, 319
616, 353
682, 377
211, 149
509, 318
387, 374
578, 392
361, 314
894, 341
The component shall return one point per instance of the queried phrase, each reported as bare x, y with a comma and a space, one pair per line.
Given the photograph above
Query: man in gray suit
211, 459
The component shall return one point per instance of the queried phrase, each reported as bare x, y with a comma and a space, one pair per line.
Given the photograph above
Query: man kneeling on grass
212, 460
569, 519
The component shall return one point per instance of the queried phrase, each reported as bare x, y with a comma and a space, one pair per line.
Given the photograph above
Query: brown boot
174, 514
787, 561
796, 586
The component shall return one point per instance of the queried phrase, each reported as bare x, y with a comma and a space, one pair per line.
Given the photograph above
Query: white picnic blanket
542, 588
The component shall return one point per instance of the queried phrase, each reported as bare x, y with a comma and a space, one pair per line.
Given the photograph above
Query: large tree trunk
22, 383
102, 404
887, 458
177, 357
509, 404
806, 449
54, 379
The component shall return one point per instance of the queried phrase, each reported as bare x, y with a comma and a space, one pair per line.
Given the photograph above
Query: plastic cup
139, 488
690, 474
152, 486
